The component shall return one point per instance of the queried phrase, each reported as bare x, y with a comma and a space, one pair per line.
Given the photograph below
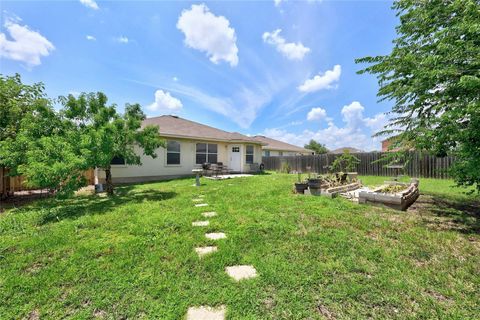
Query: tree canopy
316, 146
433, 77
52, 149
105, 134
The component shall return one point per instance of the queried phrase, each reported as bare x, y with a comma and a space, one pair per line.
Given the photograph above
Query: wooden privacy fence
416, 164
9, 185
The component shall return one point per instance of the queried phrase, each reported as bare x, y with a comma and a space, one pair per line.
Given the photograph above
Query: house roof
272, 144
342, 150
174, 126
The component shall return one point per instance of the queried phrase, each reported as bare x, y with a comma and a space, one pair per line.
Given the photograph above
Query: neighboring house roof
342, 150
174, 126
272, 144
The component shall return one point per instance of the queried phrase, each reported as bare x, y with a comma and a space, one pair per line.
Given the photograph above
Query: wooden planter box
399, 201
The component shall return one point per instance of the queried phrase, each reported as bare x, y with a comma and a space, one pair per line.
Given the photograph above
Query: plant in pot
300, 186
344, 166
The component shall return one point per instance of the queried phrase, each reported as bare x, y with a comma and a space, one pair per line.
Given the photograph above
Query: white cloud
27, 46
91, 38
293, 51
175, 79
316, 114
321, 81
90, 4
209, 33
122, 39
356, 132
277, 2
165, 102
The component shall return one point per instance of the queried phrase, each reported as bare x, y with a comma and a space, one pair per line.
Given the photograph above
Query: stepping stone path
201, 205
206, 313
209, 214
241, 272
200, 223
238, 273
215, 235
201, 251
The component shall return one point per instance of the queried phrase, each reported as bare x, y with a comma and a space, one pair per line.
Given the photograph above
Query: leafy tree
18, 101
433, 77
35, 141
347, 162
105, 134
316, 146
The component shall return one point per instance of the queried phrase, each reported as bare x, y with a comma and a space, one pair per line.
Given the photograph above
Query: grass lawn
132, 256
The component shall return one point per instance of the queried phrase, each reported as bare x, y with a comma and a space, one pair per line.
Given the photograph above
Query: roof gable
277, 145
174, 126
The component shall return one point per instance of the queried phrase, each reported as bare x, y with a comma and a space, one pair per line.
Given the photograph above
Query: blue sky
284, 69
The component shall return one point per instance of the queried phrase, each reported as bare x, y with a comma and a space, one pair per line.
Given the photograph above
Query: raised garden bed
393, 194
332, 192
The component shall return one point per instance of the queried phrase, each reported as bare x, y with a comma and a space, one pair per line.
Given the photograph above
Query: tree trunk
108, 181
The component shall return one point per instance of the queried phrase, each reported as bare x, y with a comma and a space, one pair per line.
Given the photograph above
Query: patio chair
222, 168
207, 170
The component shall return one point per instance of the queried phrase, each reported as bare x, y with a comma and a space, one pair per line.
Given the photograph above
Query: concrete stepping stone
206, 313
197, 200
200, 223
201, 251
215, 235
209, 214
241, 272
201, 205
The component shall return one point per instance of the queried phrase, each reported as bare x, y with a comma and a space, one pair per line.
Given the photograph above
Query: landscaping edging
333, 191
399, 201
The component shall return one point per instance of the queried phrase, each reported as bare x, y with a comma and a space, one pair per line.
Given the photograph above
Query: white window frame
250, 154
179, 152
206, 153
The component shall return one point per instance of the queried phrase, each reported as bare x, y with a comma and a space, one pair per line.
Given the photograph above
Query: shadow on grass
76, 207
450, 214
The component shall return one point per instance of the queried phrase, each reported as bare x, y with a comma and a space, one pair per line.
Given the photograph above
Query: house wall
157, 169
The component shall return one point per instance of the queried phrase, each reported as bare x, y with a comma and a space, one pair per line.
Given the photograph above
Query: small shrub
285, 167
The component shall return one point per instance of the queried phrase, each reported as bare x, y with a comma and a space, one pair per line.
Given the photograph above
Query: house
342, 150
274, 147
189, 145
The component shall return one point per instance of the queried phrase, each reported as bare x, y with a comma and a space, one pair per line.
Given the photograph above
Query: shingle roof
173, 126
277, 145
342, 150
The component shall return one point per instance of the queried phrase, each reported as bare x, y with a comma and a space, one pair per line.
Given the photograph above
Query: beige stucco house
189, 145
274, 147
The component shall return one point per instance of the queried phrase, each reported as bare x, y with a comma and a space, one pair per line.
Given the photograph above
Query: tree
35, 141
347, 162
105, 134
18, 102
433, 77
316, 146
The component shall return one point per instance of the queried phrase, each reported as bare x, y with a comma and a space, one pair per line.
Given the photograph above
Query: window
206, 153
249, 155
118, 161
173, 152
280, 153
267, 153
235, 149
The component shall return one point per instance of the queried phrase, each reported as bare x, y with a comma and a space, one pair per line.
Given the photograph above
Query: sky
284, 69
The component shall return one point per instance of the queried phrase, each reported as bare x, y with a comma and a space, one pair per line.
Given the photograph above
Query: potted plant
314, 183
300, 186
344, 166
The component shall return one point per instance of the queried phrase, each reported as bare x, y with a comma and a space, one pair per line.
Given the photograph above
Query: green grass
132, 256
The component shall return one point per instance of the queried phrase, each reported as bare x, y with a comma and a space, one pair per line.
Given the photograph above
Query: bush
285, 168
